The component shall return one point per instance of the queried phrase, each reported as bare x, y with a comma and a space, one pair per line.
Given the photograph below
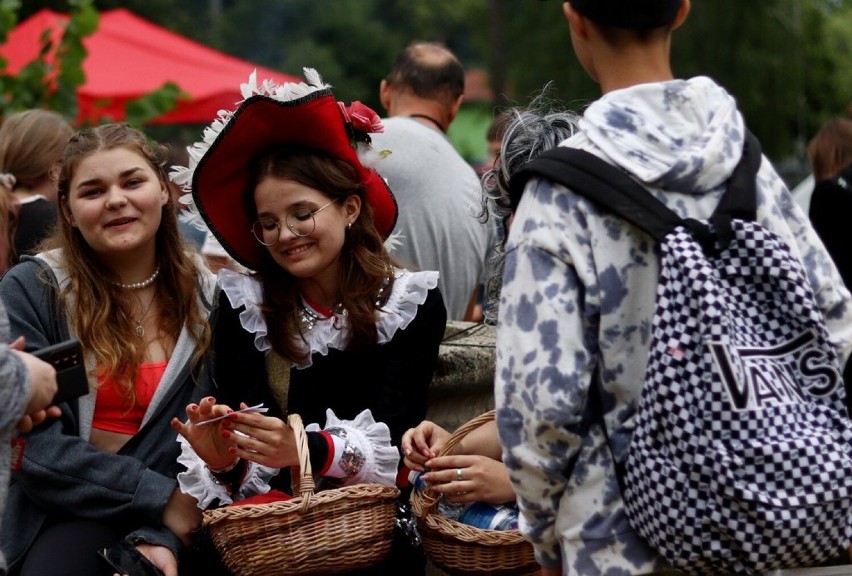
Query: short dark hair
430, 70
638, 15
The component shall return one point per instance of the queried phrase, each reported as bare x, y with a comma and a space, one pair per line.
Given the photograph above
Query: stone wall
463, 385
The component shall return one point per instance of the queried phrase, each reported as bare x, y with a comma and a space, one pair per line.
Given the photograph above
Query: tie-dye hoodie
578, 294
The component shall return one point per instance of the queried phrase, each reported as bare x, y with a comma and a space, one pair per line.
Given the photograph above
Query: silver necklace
137, 285
140, 330
308, 318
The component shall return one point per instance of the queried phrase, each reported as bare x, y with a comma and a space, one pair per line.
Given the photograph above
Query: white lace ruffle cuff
363, 450
199, 482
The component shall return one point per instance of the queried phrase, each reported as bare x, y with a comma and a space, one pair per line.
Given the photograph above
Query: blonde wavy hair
100, 316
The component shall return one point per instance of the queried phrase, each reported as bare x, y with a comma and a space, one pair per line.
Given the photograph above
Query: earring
350, 225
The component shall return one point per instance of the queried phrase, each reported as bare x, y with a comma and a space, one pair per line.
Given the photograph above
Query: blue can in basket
482, 515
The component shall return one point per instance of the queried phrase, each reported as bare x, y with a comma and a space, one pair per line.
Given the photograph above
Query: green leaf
70, 55
8, 19
84, 19
153, 104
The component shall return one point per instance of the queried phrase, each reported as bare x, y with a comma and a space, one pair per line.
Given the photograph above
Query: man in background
437, 190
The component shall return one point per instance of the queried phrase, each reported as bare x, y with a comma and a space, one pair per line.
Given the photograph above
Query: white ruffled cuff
363, 451
198, 482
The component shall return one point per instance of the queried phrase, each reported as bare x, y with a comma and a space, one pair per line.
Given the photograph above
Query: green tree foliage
45, 82
786, 61
838, 44
352, 43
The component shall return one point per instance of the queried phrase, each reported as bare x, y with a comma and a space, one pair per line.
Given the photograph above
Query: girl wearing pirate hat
323, 323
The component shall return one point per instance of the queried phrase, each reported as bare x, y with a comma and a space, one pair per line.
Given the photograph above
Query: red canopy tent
129, 57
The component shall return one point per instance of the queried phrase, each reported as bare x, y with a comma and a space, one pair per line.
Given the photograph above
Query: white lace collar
409, 291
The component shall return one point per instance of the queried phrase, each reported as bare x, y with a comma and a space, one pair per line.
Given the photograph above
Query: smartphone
125, 559
67, 358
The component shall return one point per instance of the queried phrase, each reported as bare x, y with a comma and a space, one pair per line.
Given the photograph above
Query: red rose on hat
360, 121
364, 119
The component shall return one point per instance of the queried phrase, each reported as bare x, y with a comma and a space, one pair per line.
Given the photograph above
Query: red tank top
113, 412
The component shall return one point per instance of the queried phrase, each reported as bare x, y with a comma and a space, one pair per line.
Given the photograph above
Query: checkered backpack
741, 456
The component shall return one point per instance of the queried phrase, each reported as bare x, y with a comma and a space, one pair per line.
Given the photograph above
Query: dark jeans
69, 548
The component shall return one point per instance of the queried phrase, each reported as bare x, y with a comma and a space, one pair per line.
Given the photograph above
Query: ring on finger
459, 474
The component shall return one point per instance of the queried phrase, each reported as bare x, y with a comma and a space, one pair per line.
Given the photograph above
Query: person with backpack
579, 315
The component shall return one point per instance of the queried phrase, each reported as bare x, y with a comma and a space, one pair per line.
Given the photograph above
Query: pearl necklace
138, 285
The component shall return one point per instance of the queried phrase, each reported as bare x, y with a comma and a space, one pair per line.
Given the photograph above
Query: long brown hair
31, 144
7, 219
830, 150
100, 313
367, 268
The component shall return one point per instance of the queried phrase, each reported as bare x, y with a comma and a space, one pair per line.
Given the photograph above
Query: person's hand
30, 421
182, 516
212, 443
483, 479
42, 388
266, 440
161, 557
422, 443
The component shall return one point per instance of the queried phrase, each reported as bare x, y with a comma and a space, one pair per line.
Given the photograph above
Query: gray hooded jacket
62, 472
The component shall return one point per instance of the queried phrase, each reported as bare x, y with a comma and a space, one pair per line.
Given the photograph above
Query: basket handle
302, 478
429, 498
464, 429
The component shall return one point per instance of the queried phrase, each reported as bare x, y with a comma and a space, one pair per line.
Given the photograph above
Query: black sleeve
831, 205
239, 367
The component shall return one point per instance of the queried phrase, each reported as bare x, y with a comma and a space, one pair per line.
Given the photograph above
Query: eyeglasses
300, 222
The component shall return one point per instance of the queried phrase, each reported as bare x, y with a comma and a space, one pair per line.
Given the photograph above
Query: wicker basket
330, 532
460, 549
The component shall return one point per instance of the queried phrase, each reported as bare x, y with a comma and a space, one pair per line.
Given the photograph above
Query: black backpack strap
740, 199
601, 182
619, 194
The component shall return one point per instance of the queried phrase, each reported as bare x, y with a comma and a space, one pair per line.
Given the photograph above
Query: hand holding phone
42, 378
67, 358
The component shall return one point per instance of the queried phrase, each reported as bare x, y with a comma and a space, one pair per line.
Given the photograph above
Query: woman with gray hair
527, 132
474, 472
